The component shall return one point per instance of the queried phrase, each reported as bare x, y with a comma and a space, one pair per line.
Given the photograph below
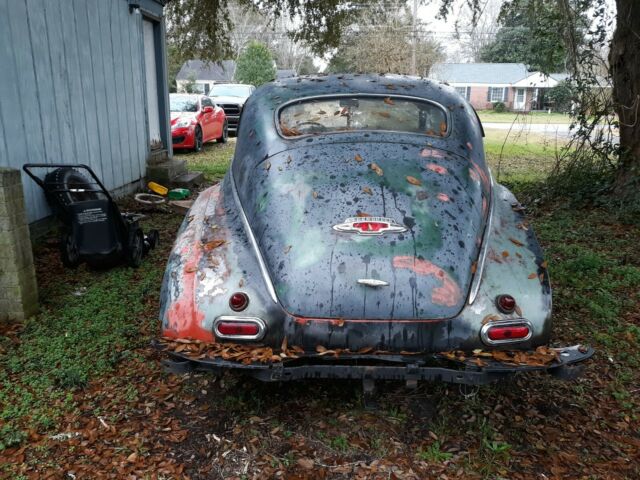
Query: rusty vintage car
359, 234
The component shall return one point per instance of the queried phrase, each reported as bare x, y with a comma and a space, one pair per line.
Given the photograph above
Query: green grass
519, 157
213, 160
75, 338
532, 117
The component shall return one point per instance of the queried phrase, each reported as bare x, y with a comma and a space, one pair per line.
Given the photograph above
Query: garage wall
72, 90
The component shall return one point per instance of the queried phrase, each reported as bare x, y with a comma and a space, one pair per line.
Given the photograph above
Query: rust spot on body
448, 294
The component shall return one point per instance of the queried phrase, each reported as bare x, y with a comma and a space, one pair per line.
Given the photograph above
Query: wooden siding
72, 90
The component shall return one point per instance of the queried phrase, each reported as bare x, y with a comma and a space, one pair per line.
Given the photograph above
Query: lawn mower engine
93, 228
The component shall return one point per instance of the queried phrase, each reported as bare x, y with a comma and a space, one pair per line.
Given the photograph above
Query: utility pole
414, 42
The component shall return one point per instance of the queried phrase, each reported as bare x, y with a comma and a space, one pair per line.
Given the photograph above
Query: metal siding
72, 89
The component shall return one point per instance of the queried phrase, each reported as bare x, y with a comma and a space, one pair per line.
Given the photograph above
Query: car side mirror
207, 109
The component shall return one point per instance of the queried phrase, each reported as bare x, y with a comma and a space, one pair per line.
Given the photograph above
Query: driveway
561, 130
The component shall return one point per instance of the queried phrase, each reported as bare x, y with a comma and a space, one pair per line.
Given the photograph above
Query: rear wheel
225, 133
135, 248
197, 142
69, 250
70, 185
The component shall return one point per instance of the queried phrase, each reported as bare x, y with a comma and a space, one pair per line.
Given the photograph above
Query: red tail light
238, 301
506, 303
238, 329
508, 333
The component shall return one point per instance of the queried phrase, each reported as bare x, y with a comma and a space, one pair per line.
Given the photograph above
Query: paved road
547, 129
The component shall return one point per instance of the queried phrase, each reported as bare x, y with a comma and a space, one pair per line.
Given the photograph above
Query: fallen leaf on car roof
376, 168
367, 190
362, 214
515, 241
388, 101
413, 180
358, 158
213, 244
505, 254
532, 276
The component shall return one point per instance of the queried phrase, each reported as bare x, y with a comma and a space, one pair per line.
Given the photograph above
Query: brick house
484, 84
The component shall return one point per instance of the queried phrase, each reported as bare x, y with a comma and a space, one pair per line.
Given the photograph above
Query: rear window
343, 114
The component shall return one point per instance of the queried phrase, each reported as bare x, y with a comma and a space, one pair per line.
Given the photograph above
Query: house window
465, 92
497, 94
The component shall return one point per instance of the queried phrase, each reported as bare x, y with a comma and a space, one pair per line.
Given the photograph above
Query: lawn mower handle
27, 166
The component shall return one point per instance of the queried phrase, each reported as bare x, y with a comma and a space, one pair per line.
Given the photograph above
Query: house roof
213, 71
282, 74
489, 73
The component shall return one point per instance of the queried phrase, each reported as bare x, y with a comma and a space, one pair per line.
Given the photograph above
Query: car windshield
183, 104
340, 114
230, 91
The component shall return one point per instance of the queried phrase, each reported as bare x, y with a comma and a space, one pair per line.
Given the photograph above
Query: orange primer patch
448, 294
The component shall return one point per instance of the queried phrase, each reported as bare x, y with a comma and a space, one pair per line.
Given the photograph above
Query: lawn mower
93, 228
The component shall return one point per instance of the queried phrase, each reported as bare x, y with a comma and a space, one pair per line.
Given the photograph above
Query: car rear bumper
384, 367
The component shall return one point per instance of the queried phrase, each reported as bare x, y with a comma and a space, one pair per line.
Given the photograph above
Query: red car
196, 120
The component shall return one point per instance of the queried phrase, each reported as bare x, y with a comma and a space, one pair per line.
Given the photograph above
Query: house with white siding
83, 82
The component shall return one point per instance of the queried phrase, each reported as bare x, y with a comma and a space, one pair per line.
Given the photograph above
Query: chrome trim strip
391, 94
373, 282
477, 278
520, 322
262, 327
254, 244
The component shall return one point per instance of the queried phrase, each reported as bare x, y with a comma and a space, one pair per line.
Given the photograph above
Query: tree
383, 44
255, 65
533, 32
624, 60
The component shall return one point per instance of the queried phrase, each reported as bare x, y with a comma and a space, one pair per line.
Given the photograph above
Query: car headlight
182, 123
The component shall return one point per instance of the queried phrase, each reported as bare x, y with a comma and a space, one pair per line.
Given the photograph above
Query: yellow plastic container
157, 188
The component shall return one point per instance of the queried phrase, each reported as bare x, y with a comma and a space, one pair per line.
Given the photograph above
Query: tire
135, 247
225, 133
197, 140
69, 250
67, 178
153, 239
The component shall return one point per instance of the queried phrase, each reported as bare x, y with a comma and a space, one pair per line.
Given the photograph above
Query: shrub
499, 107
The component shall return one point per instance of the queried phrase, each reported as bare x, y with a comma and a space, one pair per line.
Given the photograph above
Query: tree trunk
624, 59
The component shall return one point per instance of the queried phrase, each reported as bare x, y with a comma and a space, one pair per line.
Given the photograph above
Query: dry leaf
287, 249
213, 244
516, 241
388, 101
474, 267
362, 214
283, 346
374, 166
320, 349
191, 269
544, 264
367, 190
490, 318
315, 194
532, 276
267, 166
358, 158
413, 180
306, 463
132, 458
505, 254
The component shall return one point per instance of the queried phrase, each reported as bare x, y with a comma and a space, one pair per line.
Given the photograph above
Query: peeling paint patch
448, 294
